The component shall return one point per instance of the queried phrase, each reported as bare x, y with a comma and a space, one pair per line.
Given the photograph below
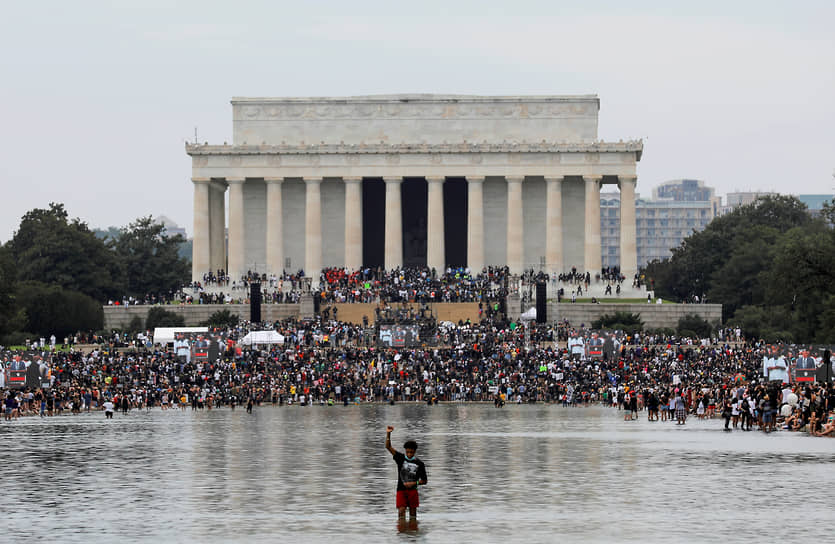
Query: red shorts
408, 498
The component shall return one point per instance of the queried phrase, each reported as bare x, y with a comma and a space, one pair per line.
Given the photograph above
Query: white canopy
165, 335
262, 337
530, 315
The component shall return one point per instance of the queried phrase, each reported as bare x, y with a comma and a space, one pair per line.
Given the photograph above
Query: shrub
222, 318
135, 325
694, 326
17, 338
619, 321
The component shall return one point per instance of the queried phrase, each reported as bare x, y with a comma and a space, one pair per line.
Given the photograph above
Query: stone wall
118, 317
654, 316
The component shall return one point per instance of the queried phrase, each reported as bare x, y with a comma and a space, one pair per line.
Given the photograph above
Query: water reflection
533, 473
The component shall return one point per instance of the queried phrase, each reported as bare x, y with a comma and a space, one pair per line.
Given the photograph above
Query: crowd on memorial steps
375, 285
326, 362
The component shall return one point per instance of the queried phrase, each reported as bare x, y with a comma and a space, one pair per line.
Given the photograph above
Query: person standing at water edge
411, 472
680, 408
108, 409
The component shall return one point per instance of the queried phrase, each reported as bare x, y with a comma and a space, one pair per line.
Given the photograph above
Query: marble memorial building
408, 180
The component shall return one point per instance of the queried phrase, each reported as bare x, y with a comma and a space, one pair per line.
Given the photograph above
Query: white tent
165, 335
262, 337
530, 315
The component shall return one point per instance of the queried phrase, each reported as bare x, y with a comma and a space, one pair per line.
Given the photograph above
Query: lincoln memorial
410, 180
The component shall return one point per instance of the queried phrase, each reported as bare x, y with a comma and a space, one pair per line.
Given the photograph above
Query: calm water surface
537, 473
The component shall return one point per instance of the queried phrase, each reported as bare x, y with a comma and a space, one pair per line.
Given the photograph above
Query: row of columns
209, 225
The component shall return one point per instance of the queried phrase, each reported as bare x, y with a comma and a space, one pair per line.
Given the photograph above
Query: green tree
10, 315
826, 332
802, 276
623, 321
739, 280
772, 324
769, 264
694, 326
135, 325
150, 259
51, 249
51, 309
222, 318
702, 264
828, 212
160, 317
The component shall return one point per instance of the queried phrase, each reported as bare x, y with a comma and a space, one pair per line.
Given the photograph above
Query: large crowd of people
415, 285
327, 362
376, 285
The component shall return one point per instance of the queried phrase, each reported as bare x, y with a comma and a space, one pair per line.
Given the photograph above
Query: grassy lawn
58, 347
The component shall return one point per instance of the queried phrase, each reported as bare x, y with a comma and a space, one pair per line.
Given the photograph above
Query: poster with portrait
206, 346
595, 346
576, 345
25, 369
199, 346
399, 336
776, 362
803, 363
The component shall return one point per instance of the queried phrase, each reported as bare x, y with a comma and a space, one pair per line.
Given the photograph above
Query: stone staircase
596, 289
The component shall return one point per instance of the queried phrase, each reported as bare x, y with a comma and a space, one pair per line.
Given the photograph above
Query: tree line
55, 273
770, 264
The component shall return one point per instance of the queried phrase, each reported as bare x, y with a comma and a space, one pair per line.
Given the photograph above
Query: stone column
435, 251
353, 223
628, 235
313, 229
275, 226
592, 218
201, 248
553, 225
217, 226
394, 225
475, 224
237, 250
515, 225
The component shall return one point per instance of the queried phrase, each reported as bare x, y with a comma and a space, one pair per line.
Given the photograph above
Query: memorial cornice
412, 97
414, 106
634, 146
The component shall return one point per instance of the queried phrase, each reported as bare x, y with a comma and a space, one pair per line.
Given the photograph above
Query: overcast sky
97, 98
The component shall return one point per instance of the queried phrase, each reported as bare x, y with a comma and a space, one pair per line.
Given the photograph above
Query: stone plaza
410, 180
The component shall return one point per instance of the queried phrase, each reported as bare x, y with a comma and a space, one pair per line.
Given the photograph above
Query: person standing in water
411, 472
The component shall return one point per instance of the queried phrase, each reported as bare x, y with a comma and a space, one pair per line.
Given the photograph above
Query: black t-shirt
408, 470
